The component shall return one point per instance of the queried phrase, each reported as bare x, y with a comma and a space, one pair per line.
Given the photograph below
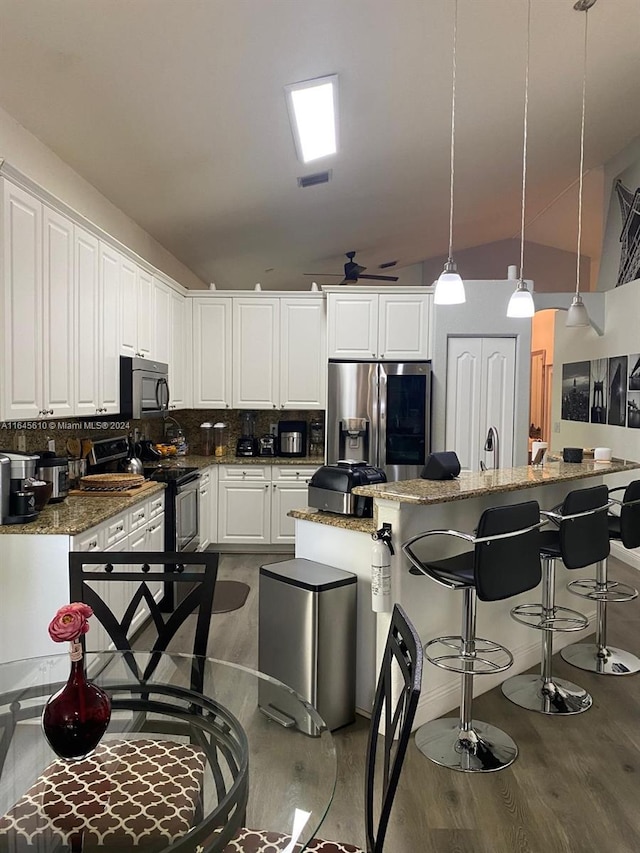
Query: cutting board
114, 493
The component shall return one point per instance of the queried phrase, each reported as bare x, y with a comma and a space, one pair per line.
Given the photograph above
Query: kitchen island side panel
35, 583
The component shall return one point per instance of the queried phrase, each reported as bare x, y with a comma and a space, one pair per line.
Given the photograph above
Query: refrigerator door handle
381, 419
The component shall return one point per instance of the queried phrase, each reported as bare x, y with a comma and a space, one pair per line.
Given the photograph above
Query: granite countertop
334, 519
475, 484
76, 514
231, 459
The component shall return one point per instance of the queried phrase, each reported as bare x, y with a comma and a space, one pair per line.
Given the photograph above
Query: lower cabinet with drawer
253, 502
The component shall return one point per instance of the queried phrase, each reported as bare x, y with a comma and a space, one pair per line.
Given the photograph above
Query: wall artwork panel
617, 391
599, 391
575, 391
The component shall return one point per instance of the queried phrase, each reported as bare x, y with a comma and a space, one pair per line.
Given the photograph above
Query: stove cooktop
163, 474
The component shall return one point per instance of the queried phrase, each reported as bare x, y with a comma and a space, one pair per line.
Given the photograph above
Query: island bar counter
414, 506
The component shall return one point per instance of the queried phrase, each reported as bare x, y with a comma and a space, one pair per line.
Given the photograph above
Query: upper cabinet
386, 326
180, 358
161, 315
303, 352
212, 352
256, 351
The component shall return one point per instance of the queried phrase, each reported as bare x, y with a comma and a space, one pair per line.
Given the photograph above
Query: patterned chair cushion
140, 792
259, 841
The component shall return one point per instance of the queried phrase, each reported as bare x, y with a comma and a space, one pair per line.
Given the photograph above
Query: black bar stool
599, 657
582, 538
505, 561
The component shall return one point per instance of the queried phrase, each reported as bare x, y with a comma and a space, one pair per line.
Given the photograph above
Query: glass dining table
269, 760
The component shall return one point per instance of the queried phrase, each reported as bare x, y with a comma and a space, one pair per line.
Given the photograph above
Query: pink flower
70, 622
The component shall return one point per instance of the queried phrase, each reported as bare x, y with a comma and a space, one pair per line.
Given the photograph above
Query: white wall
621, 337
24, 151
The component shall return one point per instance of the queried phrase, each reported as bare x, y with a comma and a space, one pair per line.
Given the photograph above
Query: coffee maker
247, 444
21, 498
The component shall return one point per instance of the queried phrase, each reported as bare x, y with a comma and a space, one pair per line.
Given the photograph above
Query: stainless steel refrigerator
380, 412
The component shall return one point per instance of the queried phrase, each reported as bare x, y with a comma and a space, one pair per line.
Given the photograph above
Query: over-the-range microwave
144, 387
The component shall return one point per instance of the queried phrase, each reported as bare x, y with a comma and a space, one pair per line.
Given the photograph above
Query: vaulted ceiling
175, 111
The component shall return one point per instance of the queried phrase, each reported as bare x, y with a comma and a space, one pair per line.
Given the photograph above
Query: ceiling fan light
577, 314
449, 287
521, 303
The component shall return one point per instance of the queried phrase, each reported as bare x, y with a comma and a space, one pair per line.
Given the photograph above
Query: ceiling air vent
317, 178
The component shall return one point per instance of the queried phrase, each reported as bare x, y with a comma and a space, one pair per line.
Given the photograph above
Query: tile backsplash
34, 435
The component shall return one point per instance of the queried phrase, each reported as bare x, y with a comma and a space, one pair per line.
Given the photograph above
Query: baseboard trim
436, 703
631, 558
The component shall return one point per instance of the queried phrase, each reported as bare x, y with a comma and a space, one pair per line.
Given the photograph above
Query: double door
480, 394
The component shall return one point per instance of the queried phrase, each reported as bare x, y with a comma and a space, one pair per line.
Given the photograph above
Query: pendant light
521, 302
577, 314
450, 287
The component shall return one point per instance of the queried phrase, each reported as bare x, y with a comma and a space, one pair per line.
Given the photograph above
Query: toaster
330, 488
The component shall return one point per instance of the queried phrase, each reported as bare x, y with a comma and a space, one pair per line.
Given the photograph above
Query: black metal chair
90, 571
581, 538
599, 657
402, 658
504, 562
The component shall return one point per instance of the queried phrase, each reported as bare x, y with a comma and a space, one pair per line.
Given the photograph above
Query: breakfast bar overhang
414, 506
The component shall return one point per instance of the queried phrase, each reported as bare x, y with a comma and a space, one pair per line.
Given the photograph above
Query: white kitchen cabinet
144, 314
180, 352
480, 393
303, 353
289, 490
58, 319
384, 326
97, 296
161, 335
256, 350
128, 308
244, 505
212, 353
22, 304
86, 255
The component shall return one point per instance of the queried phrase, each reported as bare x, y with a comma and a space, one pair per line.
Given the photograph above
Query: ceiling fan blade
381, 277
320, 274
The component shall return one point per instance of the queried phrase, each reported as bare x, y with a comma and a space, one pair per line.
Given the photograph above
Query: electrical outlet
22, 444
556, 426
273, 429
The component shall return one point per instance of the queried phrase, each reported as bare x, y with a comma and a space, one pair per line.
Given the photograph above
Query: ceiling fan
353, 272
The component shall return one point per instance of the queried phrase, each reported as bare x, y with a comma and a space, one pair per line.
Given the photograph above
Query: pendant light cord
524, 144
581, 178
453, 128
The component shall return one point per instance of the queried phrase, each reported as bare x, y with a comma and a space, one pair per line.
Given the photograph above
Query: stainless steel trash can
307, 639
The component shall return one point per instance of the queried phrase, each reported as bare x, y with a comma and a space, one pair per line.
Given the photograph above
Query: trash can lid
307, 574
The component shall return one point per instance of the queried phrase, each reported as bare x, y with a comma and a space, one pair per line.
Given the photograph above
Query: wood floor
575, 787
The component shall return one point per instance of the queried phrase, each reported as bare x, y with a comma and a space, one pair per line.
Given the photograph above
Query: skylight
313, 112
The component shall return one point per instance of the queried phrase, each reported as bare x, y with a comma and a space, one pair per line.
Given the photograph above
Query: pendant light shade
577, 314
521, 302
450, 287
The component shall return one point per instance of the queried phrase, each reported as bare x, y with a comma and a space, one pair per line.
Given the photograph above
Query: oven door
187, 516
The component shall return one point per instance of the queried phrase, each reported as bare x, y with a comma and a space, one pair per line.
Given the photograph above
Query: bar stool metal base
590, 657
483, 749
555, 696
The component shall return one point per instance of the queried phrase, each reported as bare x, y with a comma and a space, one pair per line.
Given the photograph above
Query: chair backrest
630, 516
585, 540
509, 566
403, 647
139, 569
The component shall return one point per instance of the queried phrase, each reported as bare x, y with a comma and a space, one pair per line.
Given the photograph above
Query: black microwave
144, 388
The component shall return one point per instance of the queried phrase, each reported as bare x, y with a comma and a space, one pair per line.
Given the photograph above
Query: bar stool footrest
613, 591
563, 619
482, 749
479, 664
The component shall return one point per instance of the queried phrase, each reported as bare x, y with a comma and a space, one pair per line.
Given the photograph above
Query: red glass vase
75, 718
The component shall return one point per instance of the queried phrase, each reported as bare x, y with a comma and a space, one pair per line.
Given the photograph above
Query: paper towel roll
537, 446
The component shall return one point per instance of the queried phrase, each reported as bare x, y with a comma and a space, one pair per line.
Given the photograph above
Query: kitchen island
414, 506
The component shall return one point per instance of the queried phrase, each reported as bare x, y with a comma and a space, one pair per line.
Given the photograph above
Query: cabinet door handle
267, 486
93, 545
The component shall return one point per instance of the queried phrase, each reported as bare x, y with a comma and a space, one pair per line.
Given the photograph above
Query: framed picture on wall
575, 391
599, 390
634, 372
617, 415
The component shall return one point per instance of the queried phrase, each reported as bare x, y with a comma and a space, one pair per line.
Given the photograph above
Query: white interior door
497, 395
